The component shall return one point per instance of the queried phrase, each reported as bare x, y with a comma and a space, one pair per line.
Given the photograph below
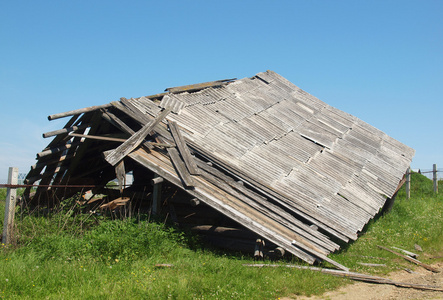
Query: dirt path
369, 291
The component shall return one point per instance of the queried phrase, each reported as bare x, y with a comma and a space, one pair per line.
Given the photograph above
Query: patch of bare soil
370, 291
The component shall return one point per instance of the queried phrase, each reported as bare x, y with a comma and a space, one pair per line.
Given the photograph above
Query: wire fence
429, 173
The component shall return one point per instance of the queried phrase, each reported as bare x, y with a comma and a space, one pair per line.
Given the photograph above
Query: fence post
434, 177
11, 197
156, 194
408, 183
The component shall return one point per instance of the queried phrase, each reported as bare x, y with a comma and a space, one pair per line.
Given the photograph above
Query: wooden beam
199, 86
180, 167
183, 148
57, 149
121, 175
65, 130
134, 141
77, 111
412, 260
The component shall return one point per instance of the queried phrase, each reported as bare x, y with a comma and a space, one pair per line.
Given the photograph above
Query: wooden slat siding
180, 167
49, 173
135, 140
210, 197
280, 214
266, 207
41, 162
183, 149
231, 206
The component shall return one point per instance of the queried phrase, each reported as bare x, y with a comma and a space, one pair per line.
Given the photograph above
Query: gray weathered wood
156, 194
183, 148
77, 111
11, 198
121, 175
134, 141
434, 178
417, 262
57, 149
180, 167
408, 183
198, 86
65, 130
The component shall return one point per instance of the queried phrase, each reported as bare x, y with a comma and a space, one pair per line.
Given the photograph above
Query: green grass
75, 256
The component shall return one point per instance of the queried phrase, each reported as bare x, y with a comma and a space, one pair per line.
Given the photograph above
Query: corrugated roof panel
173, 103
297, 147
190, 123
339, 116
291, 118
225, 144
206, 116
230, 109
247, 137
146, 105
317, 134
330, 122
264, 171
272, 116
266, 135
334, 166
278, 158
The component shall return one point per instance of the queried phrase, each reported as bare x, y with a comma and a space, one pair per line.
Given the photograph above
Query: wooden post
434, 177
408, 183
156, 194
11, 197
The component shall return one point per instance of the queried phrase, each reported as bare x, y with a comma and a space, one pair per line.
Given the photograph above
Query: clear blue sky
381, 61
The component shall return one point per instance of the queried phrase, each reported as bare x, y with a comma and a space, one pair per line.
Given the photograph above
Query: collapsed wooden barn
261, 151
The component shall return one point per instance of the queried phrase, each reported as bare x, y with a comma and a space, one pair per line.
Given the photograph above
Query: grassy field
73, 256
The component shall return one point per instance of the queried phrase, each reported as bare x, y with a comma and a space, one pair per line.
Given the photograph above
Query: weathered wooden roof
281, 159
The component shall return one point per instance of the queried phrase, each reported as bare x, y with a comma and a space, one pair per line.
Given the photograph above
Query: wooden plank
134, 141
213, 197
180, 167
129, 109
113, 139
183, 148
417, 262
